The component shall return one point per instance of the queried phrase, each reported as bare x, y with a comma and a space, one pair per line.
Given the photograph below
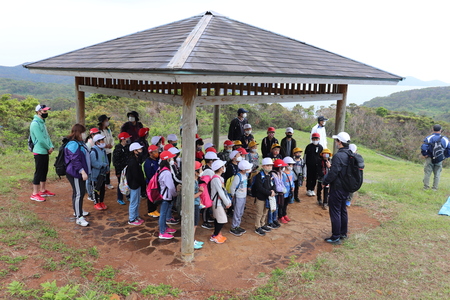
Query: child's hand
200, 189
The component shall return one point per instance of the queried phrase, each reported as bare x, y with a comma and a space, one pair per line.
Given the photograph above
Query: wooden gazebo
210, 59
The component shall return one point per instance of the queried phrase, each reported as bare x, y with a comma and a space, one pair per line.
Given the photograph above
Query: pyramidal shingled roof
212, 44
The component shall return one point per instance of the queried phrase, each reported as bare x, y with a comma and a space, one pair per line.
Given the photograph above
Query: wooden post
340, 113
80, 102
216, 126
188, 159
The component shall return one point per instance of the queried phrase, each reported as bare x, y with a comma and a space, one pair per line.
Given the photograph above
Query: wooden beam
188, 159
216, 126
340, 113
80, 101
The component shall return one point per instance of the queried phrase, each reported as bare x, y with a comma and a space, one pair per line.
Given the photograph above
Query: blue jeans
135, 200
272, 216
164, 211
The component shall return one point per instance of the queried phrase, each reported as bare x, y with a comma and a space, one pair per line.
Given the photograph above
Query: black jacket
312, 156
338, 169
283, 151
135, 175
236, 130
120, 157
263, 187
266, 146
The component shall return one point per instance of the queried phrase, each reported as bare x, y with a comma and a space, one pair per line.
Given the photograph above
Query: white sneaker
110, 186
312, 194
82, 222
85, 213
308, 193
90, 199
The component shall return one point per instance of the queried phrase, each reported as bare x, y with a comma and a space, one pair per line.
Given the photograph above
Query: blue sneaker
121, 202
348, 203
198, 242
197, 245
333, 241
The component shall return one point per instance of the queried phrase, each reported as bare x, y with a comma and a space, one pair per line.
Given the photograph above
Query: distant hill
412, 81
21, 73
432, 102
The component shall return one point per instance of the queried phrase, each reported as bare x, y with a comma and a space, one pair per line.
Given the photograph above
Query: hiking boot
283, 220
170, 230
135, 222
260, 232
242, 230
172, 221
37, 197
103, 205
277, 224
266, 228
46, 193
207, 226
165, 236
235, 231
335, 241
218, 239
85, 213
98, 206
82, 222
154, 214
287, 218
109, 186
121, 202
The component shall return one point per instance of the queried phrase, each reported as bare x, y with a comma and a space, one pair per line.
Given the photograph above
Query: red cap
167, 147
242, 151
228, 143
197, 165
279, 163
271, 129
166, 155
315, 135
143, 131
94, 130
152, 148
123, 136
211, 149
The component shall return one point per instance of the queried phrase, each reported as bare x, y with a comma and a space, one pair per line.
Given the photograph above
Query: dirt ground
236, 264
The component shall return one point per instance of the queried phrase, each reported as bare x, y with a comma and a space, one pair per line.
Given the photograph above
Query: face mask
106, 124
201, 174
161, 148
131, 119
326, 155
247, 171
101, 145
128, 141
228, 150
172, 162
175, 144
248, 131
254, 150
44, 116
267, 169
316, 142
239, 158
298, 156
290, 168
224, 169
83, 136
244, 115
324, 122
282, 169
288, 135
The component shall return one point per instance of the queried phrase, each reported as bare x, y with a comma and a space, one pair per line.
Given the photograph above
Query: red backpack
154, 189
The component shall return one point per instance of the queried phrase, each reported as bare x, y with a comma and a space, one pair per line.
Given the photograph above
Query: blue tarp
445, 209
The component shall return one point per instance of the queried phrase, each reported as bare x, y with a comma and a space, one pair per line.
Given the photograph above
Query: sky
403, 37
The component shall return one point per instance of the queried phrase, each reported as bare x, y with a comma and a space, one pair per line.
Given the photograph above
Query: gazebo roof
212, 45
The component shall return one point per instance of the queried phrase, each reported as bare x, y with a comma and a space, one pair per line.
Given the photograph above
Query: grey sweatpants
239, 205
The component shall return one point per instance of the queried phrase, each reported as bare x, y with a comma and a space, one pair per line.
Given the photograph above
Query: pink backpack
154, 189
205, 198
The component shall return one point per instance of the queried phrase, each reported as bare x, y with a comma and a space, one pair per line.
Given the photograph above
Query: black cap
102, 119
321, 118
437, 127
242, 110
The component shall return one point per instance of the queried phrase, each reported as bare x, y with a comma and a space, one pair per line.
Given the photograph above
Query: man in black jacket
262, 189
236, 130
337, 195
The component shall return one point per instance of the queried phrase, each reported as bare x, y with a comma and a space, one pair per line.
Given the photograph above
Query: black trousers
78, 191
41, 168
311, 178
338, 212
108, 178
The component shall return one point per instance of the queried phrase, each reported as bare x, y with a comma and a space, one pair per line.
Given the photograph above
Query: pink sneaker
103, 205
135, 222
170, 230
37, 197
46, 193
165, 236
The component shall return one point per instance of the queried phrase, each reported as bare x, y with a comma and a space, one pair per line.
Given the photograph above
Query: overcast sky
407, 38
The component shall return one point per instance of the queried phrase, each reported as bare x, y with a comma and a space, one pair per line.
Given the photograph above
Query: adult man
42, 149
320, 129
288, 143
236, 130
434, 164
132, 126
338, 196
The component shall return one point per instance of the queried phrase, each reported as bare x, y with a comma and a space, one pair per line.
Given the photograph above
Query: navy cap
242, 110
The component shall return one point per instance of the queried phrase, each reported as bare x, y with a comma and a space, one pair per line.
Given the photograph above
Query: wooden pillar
216, 126
188, 159
340, 113
80, 102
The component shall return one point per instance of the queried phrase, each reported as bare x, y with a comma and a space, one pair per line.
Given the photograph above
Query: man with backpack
435, 149
338, 194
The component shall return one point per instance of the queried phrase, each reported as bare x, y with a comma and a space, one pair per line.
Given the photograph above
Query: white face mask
244, 115
326, 155
228, 150
106, 124
239, 158
83, 136
131, 119
248, 171
172, 162
316, 142
254, 150
282, 169
101, 145
224, 169
248, 132
290, 168
324, 122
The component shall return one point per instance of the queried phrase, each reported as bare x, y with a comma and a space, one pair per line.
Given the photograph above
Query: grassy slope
404, 258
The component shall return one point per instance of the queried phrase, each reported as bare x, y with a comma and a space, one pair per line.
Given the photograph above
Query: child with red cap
268, 141
225, 153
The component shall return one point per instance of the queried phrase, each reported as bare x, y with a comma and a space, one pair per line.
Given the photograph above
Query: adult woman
78, 168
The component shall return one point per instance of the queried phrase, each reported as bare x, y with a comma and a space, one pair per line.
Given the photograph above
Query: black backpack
353, 177
438, 151
60, 163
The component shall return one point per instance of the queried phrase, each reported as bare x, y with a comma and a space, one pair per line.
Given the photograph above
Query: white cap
172, 137
244, 165
174, 150
247, 126
233, 154
135, 146
344, 137
289, 129
207, 145
97, 138
266, 161
42, 107
353, 148
217, 165
155, 140
211, 155
288, 160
